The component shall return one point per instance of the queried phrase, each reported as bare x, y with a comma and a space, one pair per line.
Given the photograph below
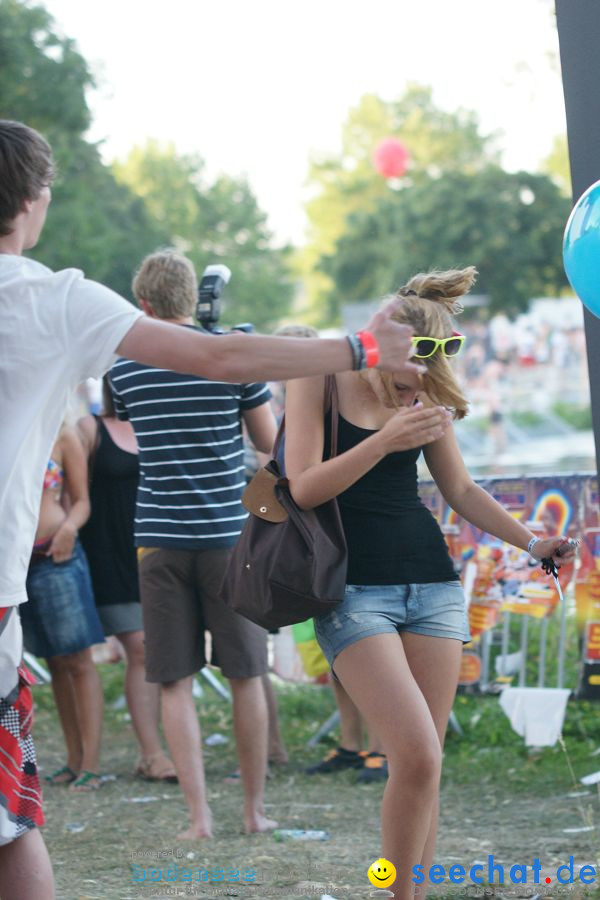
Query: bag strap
330, 402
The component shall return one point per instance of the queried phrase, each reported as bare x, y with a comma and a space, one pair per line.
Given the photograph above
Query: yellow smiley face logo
382, 873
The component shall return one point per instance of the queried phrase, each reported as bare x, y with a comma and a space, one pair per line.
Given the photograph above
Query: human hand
393, 340
548, 547
63, 542
414, 426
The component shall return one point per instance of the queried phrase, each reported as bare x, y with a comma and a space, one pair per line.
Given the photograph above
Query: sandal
86, 782
64, 775
148, 770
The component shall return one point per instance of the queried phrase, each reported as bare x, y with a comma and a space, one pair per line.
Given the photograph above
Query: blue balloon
581, 248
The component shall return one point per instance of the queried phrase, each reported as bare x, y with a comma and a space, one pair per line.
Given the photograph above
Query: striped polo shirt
191, 453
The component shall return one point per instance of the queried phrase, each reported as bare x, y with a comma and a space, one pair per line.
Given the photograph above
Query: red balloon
391, 158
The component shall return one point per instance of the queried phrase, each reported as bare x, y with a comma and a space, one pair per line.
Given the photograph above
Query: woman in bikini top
60, 622
58, 525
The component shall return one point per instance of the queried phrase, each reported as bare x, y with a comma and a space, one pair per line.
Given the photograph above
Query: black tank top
392, 537
107, 536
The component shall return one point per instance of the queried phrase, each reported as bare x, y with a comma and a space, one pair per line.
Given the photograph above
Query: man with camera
189, 515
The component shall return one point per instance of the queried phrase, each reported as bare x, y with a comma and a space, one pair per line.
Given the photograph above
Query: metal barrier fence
505, 586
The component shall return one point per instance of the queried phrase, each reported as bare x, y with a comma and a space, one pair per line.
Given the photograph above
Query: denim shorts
60, 615
436, 610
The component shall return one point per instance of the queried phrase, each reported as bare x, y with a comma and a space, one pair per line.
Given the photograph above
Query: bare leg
376, 674
250, 724
374, 745
182, 731
277, 752
143, 698
351, 725
64, 697
25, 869
89, 702
438, 685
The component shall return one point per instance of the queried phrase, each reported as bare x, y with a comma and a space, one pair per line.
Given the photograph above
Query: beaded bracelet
532, 544
358, 354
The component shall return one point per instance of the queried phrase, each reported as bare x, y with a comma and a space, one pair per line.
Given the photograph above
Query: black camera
208, 308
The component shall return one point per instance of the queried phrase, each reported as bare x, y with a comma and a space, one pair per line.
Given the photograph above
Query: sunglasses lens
452, 347
424, 347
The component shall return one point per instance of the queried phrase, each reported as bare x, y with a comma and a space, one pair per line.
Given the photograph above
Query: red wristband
371, 349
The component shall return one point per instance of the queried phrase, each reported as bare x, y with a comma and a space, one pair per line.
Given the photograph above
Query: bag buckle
259, 497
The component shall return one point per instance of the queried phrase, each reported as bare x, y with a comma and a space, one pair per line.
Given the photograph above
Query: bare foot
258, 822
157, 767
195, 833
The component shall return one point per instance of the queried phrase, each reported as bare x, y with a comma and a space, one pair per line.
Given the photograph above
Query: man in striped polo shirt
189, 515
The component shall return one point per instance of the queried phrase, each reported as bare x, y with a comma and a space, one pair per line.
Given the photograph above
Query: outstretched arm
248, 357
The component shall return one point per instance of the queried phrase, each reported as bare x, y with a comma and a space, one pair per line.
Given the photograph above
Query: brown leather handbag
289, 564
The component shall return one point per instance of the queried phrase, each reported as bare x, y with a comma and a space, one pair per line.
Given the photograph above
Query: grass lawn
496, 799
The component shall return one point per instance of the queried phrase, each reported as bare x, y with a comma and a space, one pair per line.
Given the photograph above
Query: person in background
189, 515
60, 622
371, 762
107, 538
395, 640
276, 751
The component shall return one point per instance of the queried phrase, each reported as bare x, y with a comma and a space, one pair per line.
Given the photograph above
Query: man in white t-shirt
56, 330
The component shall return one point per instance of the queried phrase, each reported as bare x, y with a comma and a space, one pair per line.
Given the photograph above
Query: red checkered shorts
20, 792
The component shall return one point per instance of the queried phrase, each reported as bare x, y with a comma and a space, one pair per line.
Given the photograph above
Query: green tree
214, 223
94, 223
43, 79
507, 225
557, 164
348, 183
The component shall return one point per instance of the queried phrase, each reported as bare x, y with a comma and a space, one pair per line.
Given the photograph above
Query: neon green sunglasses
424, 347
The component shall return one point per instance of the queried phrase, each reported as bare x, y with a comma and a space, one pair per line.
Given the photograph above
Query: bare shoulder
69, 441
348, 383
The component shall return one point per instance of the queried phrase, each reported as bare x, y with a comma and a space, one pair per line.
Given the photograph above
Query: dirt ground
103, 843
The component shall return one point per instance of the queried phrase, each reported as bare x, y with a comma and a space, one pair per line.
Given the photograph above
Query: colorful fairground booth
518, 614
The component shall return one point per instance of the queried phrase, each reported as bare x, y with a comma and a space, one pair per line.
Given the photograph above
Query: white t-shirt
56, 330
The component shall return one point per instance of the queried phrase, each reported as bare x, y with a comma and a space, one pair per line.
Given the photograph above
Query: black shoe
374, 768
335, 761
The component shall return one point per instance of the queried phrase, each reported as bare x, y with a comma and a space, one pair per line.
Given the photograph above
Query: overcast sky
255, 86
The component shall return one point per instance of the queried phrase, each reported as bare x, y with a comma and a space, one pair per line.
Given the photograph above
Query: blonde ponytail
444, 287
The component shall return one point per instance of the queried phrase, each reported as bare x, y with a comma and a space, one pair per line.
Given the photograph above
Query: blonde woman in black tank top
395, 641
107, 537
